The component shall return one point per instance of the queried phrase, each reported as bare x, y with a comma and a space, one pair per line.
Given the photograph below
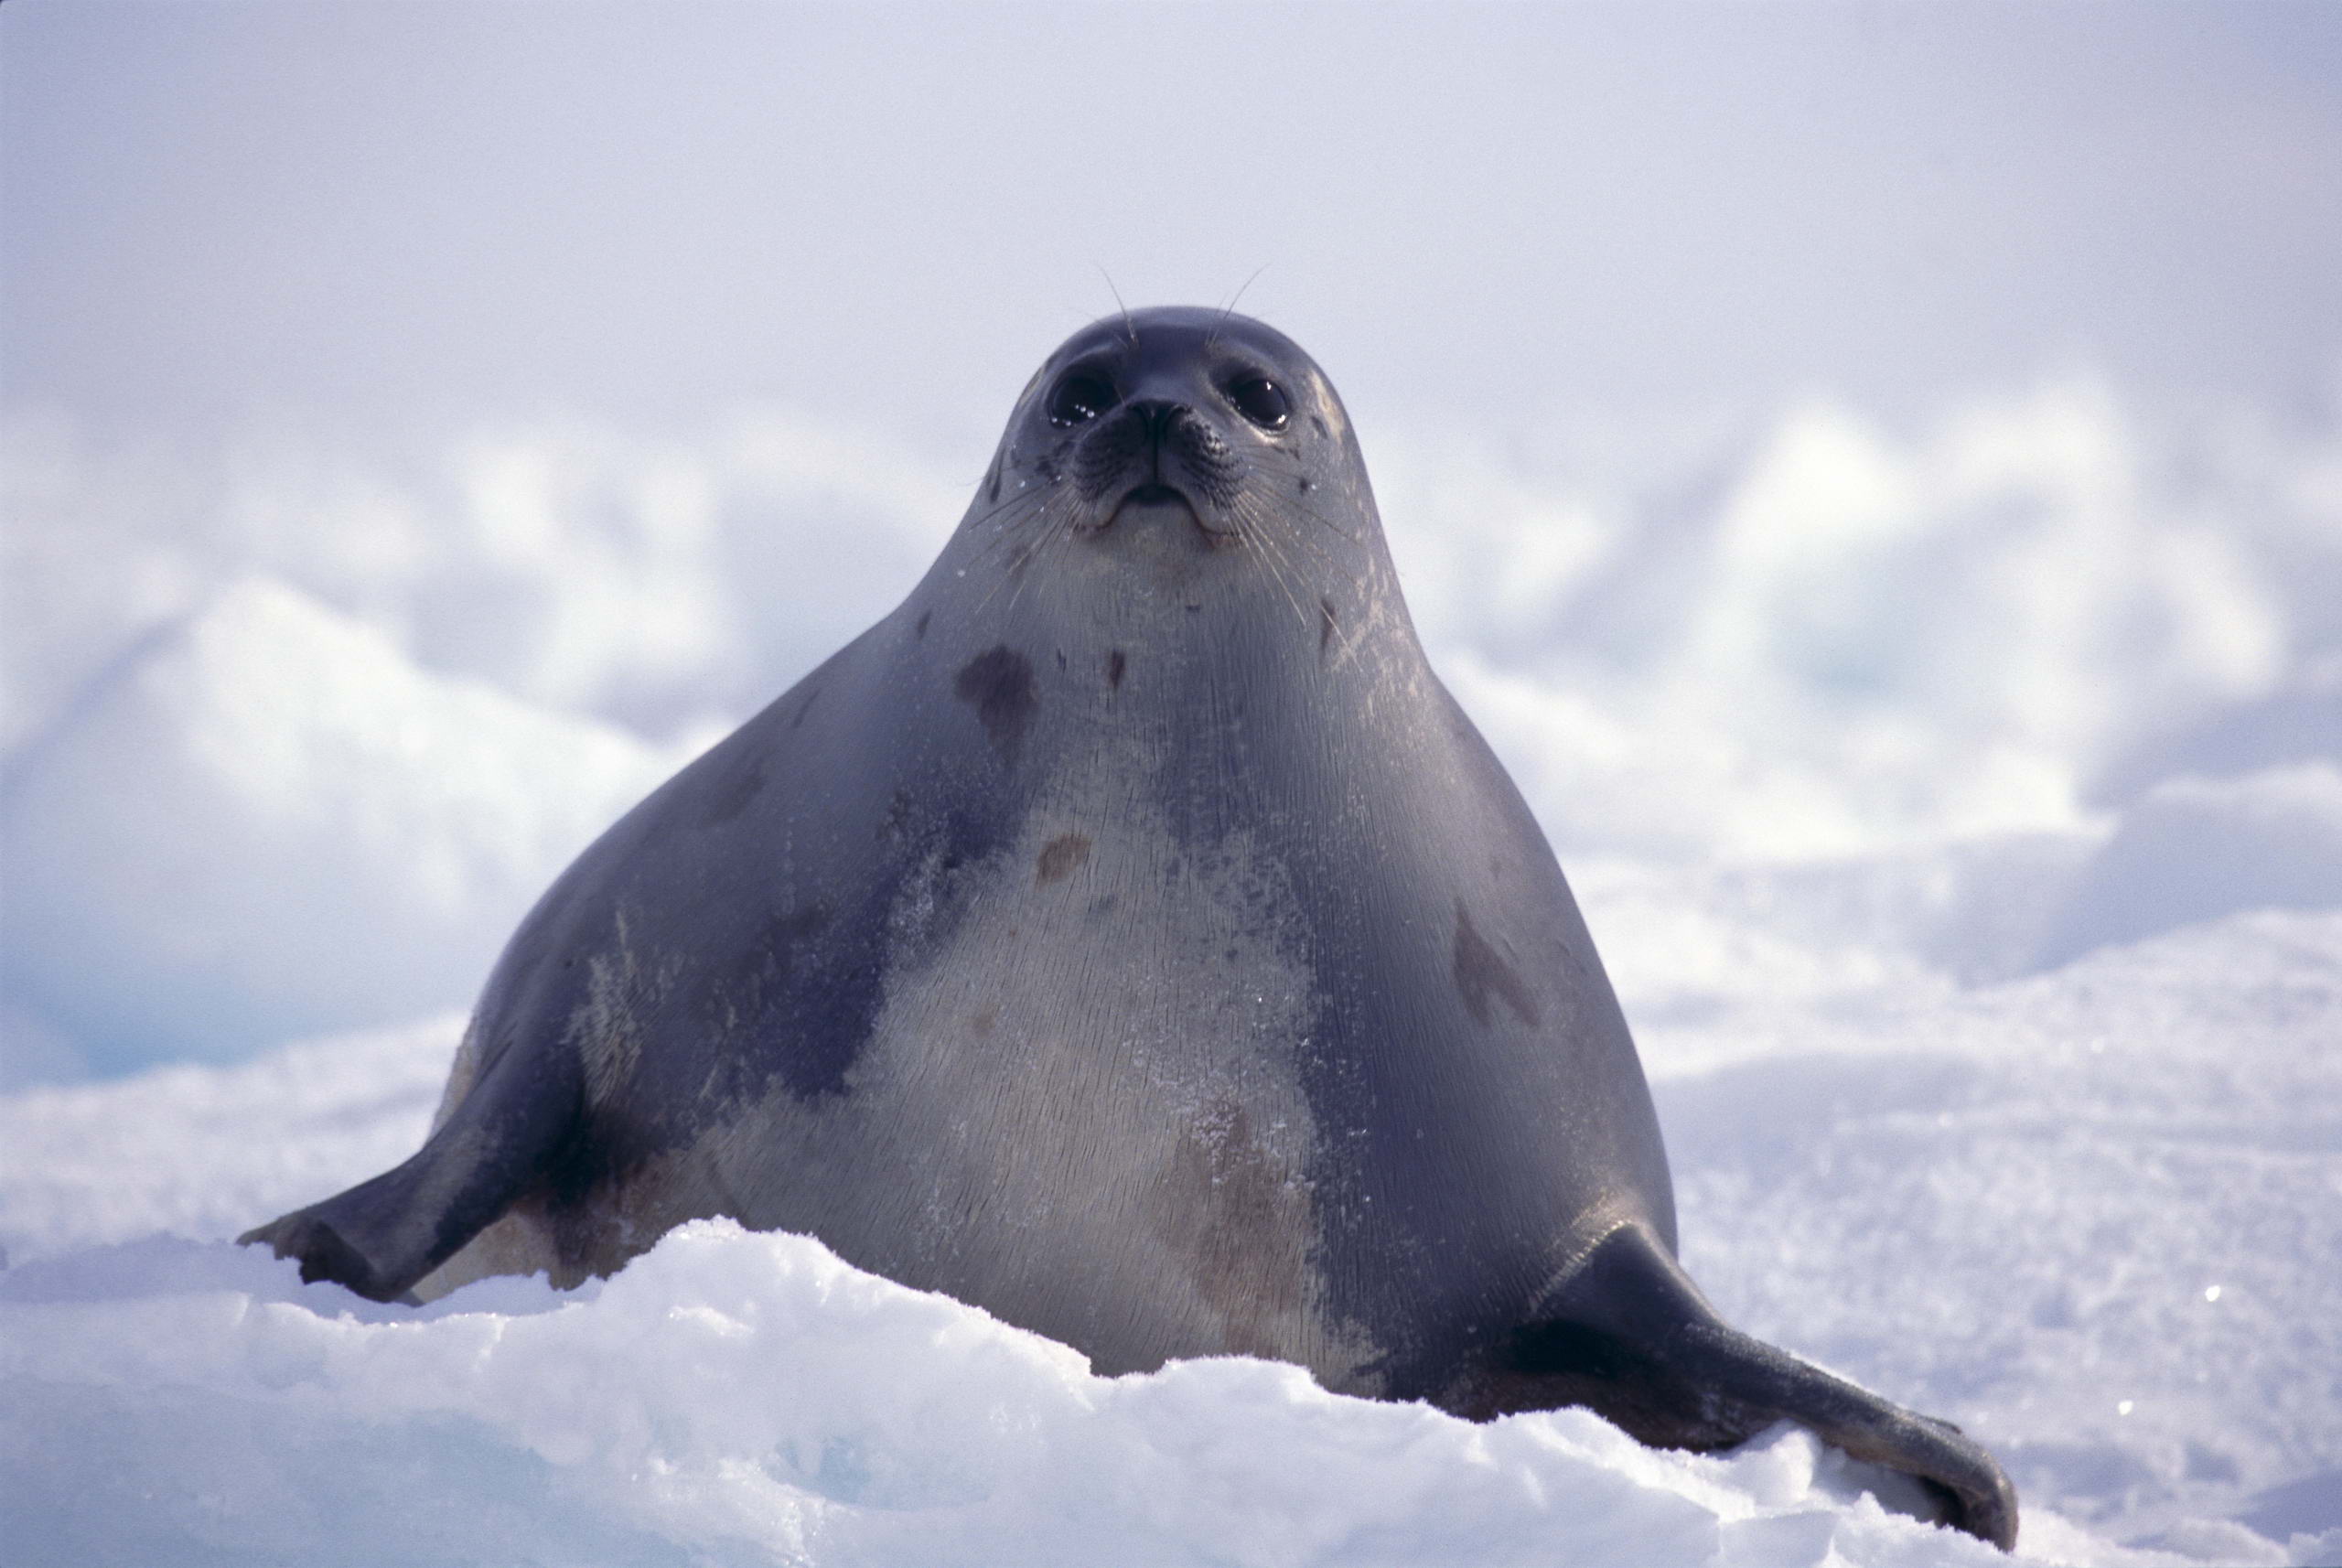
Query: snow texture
1958, 812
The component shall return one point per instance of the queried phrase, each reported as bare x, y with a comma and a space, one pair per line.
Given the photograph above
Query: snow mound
2194, 849
749, 1399
265, 822
1826, 635
2012, 1205
211, 1152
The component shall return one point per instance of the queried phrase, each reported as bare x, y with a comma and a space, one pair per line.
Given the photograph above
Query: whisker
1130, 330
1054, 519
1317, 548
1058, 528
1008, 515
1272, 557
1015, 542
1213, 337
1321, 519
1309, 509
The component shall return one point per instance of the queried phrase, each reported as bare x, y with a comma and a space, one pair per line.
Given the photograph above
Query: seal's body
1128, 935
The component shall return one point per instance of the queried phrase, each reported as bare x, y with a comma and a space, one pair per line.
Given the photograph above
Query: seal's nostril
1156, 417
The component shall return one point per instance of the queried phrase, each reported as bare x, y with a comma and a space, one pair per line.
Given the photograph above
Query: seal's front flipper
381, 1236
1629, 1337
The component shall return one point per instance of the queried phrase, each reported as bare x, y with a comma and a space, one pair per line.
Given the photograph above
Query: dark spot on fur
1482, 973
1101, 904
984, 1020
1307, 484
805, 707
1325, 624
920, 631
1239, 1224
805, 990
937, 847
1060, 659
786, 931
998, 683
1060, 858
1115, 665
729, 799
896, 828
794, 1004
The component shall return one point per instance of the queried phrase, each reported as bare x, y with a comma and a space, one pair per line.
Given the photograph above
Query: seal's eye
1260, 400
1081, 398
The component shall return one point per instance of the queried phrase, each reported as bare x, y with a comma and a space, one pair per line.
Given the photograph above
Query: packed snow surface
1959, 811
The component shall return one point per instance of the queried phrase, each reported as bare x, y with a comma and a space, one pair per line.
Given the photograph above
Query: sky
229, 211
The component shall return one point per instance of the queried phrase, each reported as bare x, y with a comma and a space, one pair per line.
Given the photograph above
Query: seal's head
1176, 430
1178, 488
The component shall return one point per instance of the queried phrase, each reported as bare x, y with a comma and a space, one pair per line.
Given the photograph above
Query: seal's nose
1154, 417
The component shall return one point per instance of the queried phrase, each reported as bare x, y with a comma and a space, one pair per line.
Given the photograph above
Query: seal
1128, 935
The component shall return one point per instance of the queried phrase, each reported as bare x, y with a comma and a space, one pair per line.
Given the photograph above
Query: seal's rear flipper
381, 1236
1629, 1337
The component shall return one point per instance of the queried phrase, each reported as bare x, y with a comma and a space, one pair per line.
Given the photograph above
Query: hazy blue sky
215, 207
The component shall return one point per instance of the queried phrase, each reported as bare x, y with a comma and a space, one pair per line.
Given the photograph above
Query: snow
364, 829
779, 1406
1959, 808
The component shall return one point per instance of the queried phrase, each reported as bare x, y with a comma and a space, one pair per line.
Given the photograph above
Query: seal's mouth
1152, 496
1157, 504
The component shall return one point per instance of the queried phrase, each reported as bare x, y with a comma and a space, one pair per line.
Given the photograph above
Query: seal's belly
1080, 1108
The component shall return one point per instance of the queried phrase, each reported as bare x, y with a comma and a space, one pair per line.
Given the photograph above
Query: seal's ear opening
1627, 1335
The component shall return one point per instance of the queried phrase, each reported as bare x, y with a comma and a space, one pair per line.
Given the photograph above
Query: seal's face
1199, 430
